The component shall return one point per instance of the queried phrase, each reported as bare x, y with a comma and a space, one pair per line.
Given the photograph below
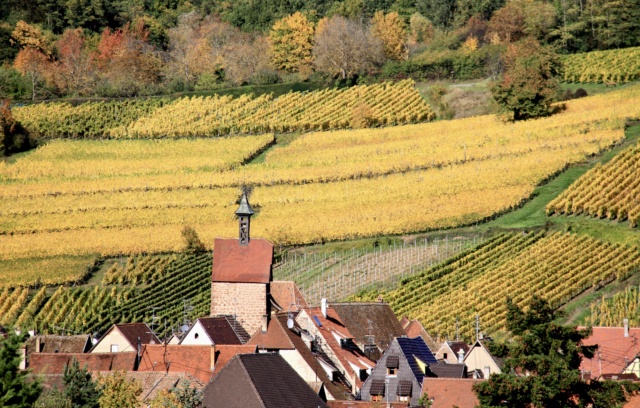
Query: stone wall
248, 301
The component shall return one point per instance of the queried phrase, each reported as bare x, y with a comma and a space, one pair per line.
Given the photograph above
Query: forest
96, 48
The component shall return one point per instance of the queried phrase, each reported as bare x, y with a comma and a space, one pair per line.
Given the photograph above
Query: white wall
112, 338
196, 336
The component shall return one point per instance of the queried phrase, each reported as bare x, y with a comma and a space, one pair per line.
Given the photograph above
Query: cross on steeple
244, 213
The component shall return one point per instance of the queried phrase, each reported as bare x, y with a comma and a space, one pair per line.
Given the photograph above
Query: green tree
53, 399
79, 387
551, 354
291, 41
192, 242
118, 391
188, 396
529, 82
15, 390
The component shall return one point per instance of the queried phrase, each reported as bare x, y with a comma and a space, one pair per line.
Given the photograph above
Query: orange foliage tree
33, 64
390, 29
75, 68
291, 42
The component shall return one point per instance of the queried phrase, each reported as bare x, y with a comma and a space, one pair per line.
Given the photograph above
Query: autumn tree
118, 391
291, 42
126, 61
421, 29
508, 23
390, 29
346, 48
75, 68
245, 58
31, 36
529, 82
32, 64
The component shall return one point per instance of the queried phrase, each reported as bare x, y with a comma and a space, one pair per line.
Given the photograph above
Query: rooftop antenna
154, 317
457, 329
186, 308
477, 327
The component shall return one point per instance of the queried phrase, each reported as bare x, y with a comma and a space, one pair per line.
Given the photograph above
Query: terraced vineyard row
94, 310
613, 310
610, 191
338, 275
621, 65
559, 266
380, 104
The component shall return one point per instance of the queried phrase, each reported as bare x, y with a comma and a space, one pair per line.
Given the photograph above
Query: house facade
127, 337
399, 374
479, 360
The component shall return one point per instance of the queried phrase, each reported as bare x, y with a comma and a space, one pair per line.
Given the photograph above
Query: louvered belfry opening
244, 213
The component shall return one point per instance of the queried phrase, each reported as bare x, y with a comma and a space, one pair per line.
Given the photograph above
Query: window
444, 356
403, 398
195, 336
376, 398
114, 348
391, 372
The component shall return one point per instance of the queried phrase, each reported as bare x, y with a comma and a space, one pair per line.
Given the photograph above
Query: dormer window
392, 363
377, 390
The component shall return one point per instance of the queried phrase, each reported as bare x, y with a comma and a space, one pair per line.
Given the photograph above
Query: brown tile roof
277, 384
455, 346
333, 324
233, 262
133, 331
448, 370
363, 319
54, 363
59, 344
414, 328
614, 350
287, 295
275, 338
450, 392
153, 382
219, 330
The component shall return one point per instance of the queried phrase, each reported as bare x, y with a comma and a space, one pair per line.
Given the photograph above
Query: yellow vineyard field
322, 186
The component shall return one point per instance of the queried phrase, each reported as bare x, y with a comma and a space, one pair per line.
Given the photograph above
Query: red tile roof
364, 404
634, 402
414, 328
615, 351
134, 331
333, 325
233, 262
54, 363
287, 295
450, 392
274, 339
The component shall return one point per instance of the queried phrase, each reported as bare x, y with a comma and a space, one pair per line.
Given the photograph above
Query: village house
287, 338
201, 362
480, 363
128, 337
331, 338
214, 330
618, 351
373, 325
287, 296
399, 373
262, 380
452, 352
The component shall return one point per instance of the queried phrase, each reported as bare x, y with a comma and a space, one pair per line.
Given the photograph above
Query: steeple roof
245, 207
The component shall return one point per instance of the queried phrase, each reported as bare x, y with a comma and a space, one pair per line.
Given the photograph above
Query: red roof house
615, 350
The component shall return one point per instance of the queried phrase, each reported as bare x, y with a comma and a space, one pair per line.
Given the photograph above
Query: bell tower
244, 213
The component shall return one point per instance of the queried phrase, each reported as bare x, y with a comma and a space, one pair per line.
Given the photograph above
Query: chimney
486, 372
38, 350
460, 355
323, 307
626, 327
265, 323
213, 357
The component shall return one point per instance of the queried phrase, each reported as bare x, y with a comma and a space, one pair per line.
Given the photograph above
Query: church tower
242, 273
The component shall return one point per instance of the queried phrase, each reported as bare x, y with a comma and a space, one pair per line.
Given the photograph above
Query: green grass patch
594, 89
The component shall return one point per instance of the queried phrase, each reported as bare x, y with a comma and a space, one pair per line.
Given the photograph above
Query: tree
188, 396
291, 42
439, 12
53, 399
15, 390
165, 399
346, 48
550, 355
390, 29
80, 389
528, 85
245, 58
508, 23
32, 64
75, 67
421, 29
191, 240
30, 36
118, 391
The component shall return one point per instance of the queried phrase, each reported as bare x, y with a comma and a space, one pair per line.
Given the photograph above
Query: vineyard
92, 198
621, 65
607, 191
359, 106
338, 275
613, 310
478, 282
161, 290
